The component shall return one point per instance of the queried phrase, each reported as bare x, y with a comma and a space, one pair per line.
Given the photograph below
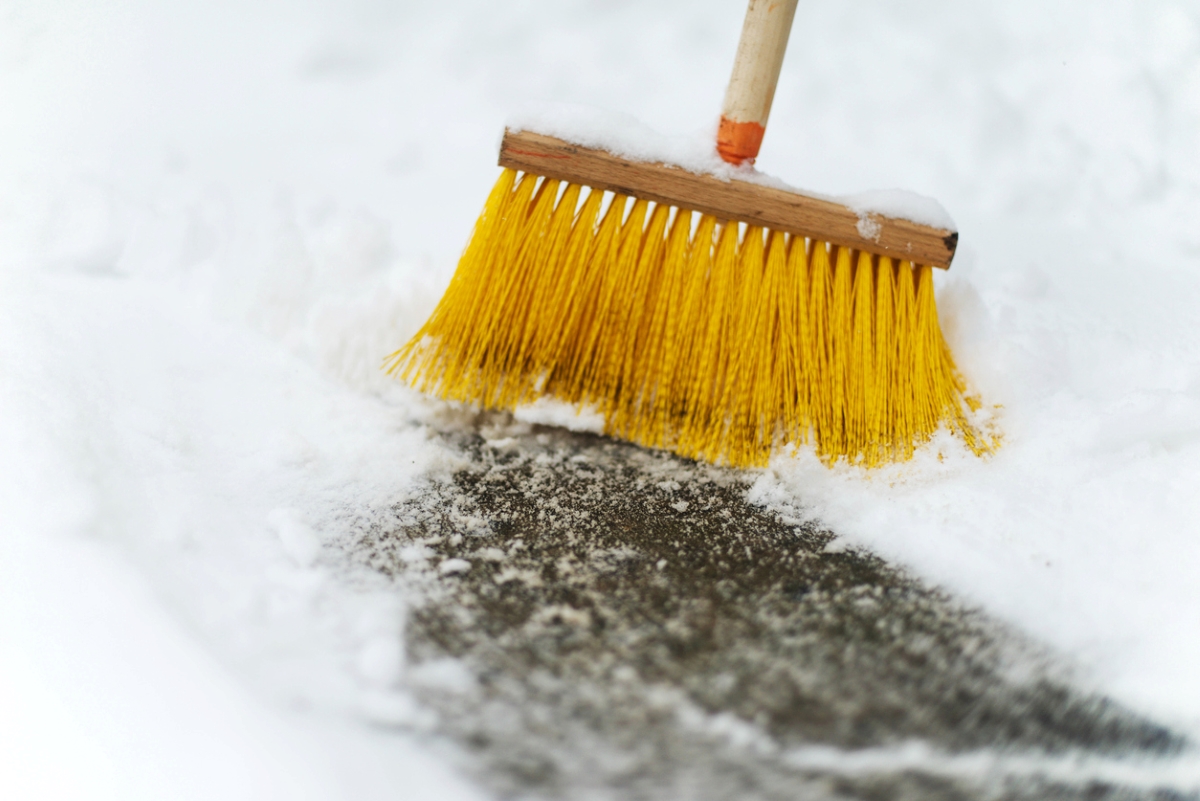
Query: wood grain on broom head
697, 336
751, 203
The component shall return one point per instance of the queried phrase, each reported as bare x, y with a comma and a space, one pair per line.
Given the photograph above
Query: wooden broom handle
755, 73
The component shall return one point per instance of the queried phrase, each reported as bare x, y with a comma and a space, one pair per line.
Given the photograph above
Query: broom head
717, 319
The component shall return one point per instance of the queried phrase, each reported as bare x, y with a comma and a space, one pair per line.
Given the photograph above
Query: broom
715, 318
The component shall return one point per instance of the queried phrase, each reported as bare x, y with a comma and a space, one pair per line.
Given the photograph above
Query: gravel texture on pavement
597, 620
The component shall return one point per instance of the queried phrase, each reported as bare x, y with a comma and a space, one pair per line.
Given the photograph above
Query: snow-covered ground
217, 217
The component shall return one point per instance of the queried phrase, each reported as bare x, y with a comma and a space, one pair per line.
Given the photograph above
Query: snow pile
221, 465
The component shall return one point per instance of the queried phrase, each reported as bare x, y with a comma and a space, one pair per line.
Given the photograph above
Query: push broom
715, 318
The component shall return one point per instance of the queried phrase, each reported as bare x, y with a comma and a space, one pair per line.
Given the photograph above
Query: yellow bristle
783, 287
741, 437
544, 280
816, 349
704, 420
680, 385
690, 334
883, 410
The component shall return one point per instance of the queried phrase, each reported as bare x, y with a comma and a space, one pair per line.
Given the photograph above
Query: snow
105, 696
298, 539
899, 204
626, 136
454, 566
551, 412
986, 767
216, 219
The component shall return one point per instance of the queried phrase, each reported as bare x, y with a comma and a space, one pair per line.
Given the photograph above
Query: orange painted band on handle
739, 141
752, 83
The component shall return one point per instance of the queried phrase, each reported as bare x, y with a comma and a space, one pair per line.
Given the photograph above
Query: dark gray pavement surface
631, 627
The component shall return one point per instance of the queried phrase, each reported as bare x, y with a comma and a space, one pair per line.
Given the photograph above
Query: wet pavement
596, 620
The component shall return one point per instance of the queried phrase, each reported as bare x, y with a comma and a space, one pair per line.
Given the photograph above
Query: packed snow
217, 218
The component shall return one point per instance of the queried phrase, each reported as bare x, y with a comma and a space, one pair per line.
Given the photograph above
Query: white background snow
217, 217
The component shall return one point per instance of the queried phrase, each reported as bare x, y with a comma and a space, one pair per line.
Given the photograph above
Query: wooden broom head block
815, 218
